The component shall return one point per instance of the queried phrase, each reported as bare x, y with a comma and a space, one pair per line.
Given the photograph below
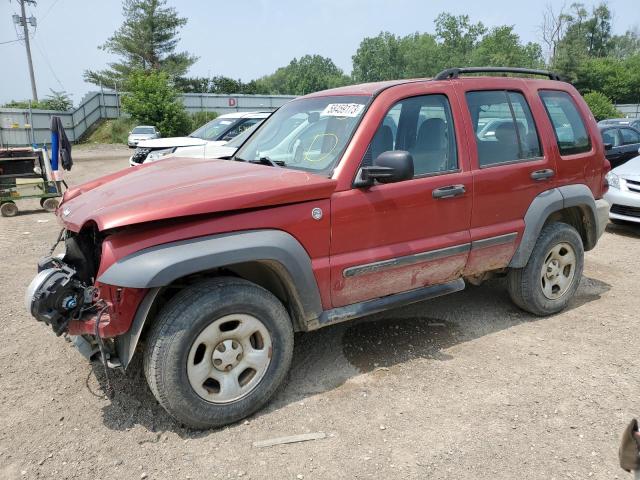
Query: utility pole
23, 20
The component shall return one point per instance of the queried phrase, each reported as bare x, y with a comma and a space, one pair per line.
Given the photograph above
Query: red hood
180, 187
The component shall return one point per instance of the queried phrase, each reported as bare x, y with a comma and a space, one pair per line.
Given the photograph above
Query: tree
458, 38
151, 99
306, 75
58, 100
146, 40
378, 58
601, 106
502, 47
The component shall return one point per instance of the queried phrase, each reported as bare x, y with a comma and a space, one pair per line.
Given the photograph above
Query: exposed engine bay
63, 289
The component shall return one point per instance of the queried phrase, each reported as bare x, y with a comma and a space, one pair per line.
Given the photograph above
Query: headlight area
613, 180
158, 154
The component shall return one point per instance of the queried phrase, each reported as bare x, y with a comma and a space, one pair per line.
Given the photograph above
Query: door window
571, 133
629, 137
504, 127
423, 126
610, 136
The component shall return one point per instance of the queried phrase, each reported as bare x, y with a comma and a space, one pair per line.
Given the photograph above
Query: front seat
382, 142
430, 151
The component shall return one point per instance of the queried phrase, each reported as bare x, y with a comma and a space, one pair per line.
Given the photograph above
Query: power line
46, 59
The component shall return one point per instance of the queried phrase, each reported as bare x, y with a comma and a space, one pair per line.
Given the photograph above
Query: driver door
391, 238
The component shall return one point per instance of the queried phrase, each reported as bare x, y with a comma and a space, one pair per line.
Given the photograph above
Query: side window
610, 136
629, 137
504, 127
571, 132
423, 126
241, 127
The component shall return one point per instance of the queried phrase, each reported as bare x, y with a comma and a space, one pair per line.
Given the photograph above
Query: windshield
144, 130
307, 134
213, 129
239, 140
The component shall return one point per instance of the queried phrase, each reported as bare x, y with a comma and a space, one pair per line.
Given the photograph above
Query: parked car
624, 192
212, 150
220, 130
623, 122
142, 133
621, 143
206, 268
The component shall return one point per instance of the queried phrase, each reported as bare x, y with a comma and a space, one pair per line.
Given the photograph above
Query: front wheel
551, 276
218, 351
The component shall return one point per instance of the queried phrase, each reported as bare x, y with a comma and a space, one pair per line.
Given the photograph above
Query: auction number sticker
343, 110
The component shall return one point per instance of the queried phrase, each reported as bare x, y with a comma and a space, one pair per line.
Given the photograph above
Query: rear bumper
602, 213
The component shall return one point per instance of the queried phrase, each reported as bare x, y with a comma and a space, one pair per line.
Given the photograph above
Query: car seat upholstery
431, 149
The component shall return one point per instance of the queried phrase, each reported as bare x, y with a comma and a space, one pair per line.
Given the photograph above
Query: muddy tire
551, 276
218, 351
8, 209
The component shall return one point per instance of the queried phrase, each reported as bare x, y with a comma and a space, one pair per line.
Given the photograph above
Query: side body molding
545, 204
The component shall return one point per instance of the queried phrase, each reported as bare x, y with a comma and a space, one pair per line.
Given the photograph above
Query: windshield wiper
263, 161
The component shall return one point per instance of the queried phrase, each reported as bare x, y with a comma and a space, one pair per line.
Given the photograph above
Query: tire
8, 209
202, 329
549, 292
49, 204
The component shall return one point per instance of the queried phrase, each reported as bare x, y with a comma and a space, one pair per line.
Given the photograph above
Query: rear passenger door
630, 143
509, 170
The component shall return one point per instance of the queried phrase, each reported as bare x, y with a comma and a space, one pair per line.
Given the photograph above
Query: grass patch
112, 131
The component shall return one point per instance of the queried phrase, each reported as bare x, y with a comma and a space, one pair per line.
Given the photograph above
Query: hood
141, 136
629, 169
178, 187
171, 142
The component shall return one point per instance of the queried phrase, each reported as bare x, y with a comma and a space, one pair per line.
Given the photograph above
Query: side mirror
389, 167
608, 146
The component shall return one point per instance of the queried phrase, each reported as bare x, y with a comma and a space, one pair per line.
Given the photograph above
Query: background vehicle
140, 134
220, 130
624, 192
626, 122
325, 214
622, 143
213, 150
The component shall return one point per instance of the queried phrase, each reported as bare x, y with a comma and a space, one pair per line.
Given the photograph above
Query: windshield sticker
343, 110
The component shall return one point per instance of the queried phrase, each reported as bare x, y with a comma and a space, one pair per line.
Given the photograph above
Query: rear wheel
8, 209
218, 352
552, 274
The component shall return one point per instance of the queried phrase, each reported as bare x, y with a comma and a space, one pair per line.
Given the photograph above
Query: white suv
216, 132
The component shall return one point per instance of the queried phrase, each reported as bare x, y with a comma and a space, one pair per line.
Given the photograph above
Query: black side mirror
608, 146
389, 167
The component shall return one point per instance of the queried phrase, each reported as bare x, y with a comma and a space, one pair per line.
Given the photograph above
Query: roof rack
450, 73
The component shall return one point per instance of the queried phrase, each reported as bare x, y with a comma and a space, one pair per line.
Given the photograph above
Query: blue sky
242, 38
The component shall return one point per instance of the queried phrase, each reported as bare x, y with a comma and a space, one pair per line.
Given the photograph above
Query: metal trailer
26, 173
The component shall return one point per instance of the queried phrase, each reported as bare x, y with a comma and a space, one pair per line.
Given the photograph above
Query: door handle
542, 174
449, 191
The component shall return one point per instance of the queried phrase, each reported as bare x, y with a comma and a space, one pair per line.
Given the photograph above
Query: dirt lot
465, 386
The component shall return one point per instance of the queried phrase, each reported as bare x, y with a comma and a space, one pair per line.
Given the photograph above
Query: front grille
624, 210
140, 155
633, 185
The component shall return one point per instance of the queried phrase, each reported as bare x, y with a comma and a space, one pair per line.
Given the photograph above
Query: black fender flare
161, 265
545, 204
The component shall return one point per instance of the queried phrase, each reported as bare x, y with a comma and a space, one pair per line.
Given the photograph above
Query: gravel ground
465, 386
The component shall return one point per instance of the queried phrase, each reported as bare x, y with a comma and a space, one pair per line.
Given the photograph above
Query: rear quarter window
571, 132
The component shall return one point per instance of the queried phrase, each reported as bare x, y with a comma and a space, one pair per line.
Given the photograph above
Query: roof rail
450, 73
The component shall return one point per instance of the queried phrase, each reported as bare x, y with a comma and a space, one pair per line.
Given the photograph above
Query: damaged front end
63, 291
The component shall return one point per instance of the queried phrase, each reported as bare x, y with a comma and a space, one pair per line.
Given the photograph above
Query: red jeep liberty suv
343, 203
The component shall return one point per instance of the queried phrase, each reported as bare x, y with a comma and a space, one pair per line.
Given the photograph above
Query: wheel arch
571, 204
270, 258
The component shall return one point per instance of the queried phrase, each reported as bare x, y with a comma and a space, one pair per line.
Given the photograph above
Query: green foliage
151, 99
57, 100
146, 40
502, 47
308, 74
601, 106
379, 58
200, 118
112, 131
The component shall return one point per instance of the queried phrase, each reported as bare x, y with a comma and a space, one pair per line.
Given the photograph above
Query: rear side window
629, 137
571, 132
504, 127
610, 136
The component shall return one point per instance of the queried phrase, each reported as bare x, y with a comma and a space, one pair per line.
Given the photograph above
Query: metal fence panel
23, 127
